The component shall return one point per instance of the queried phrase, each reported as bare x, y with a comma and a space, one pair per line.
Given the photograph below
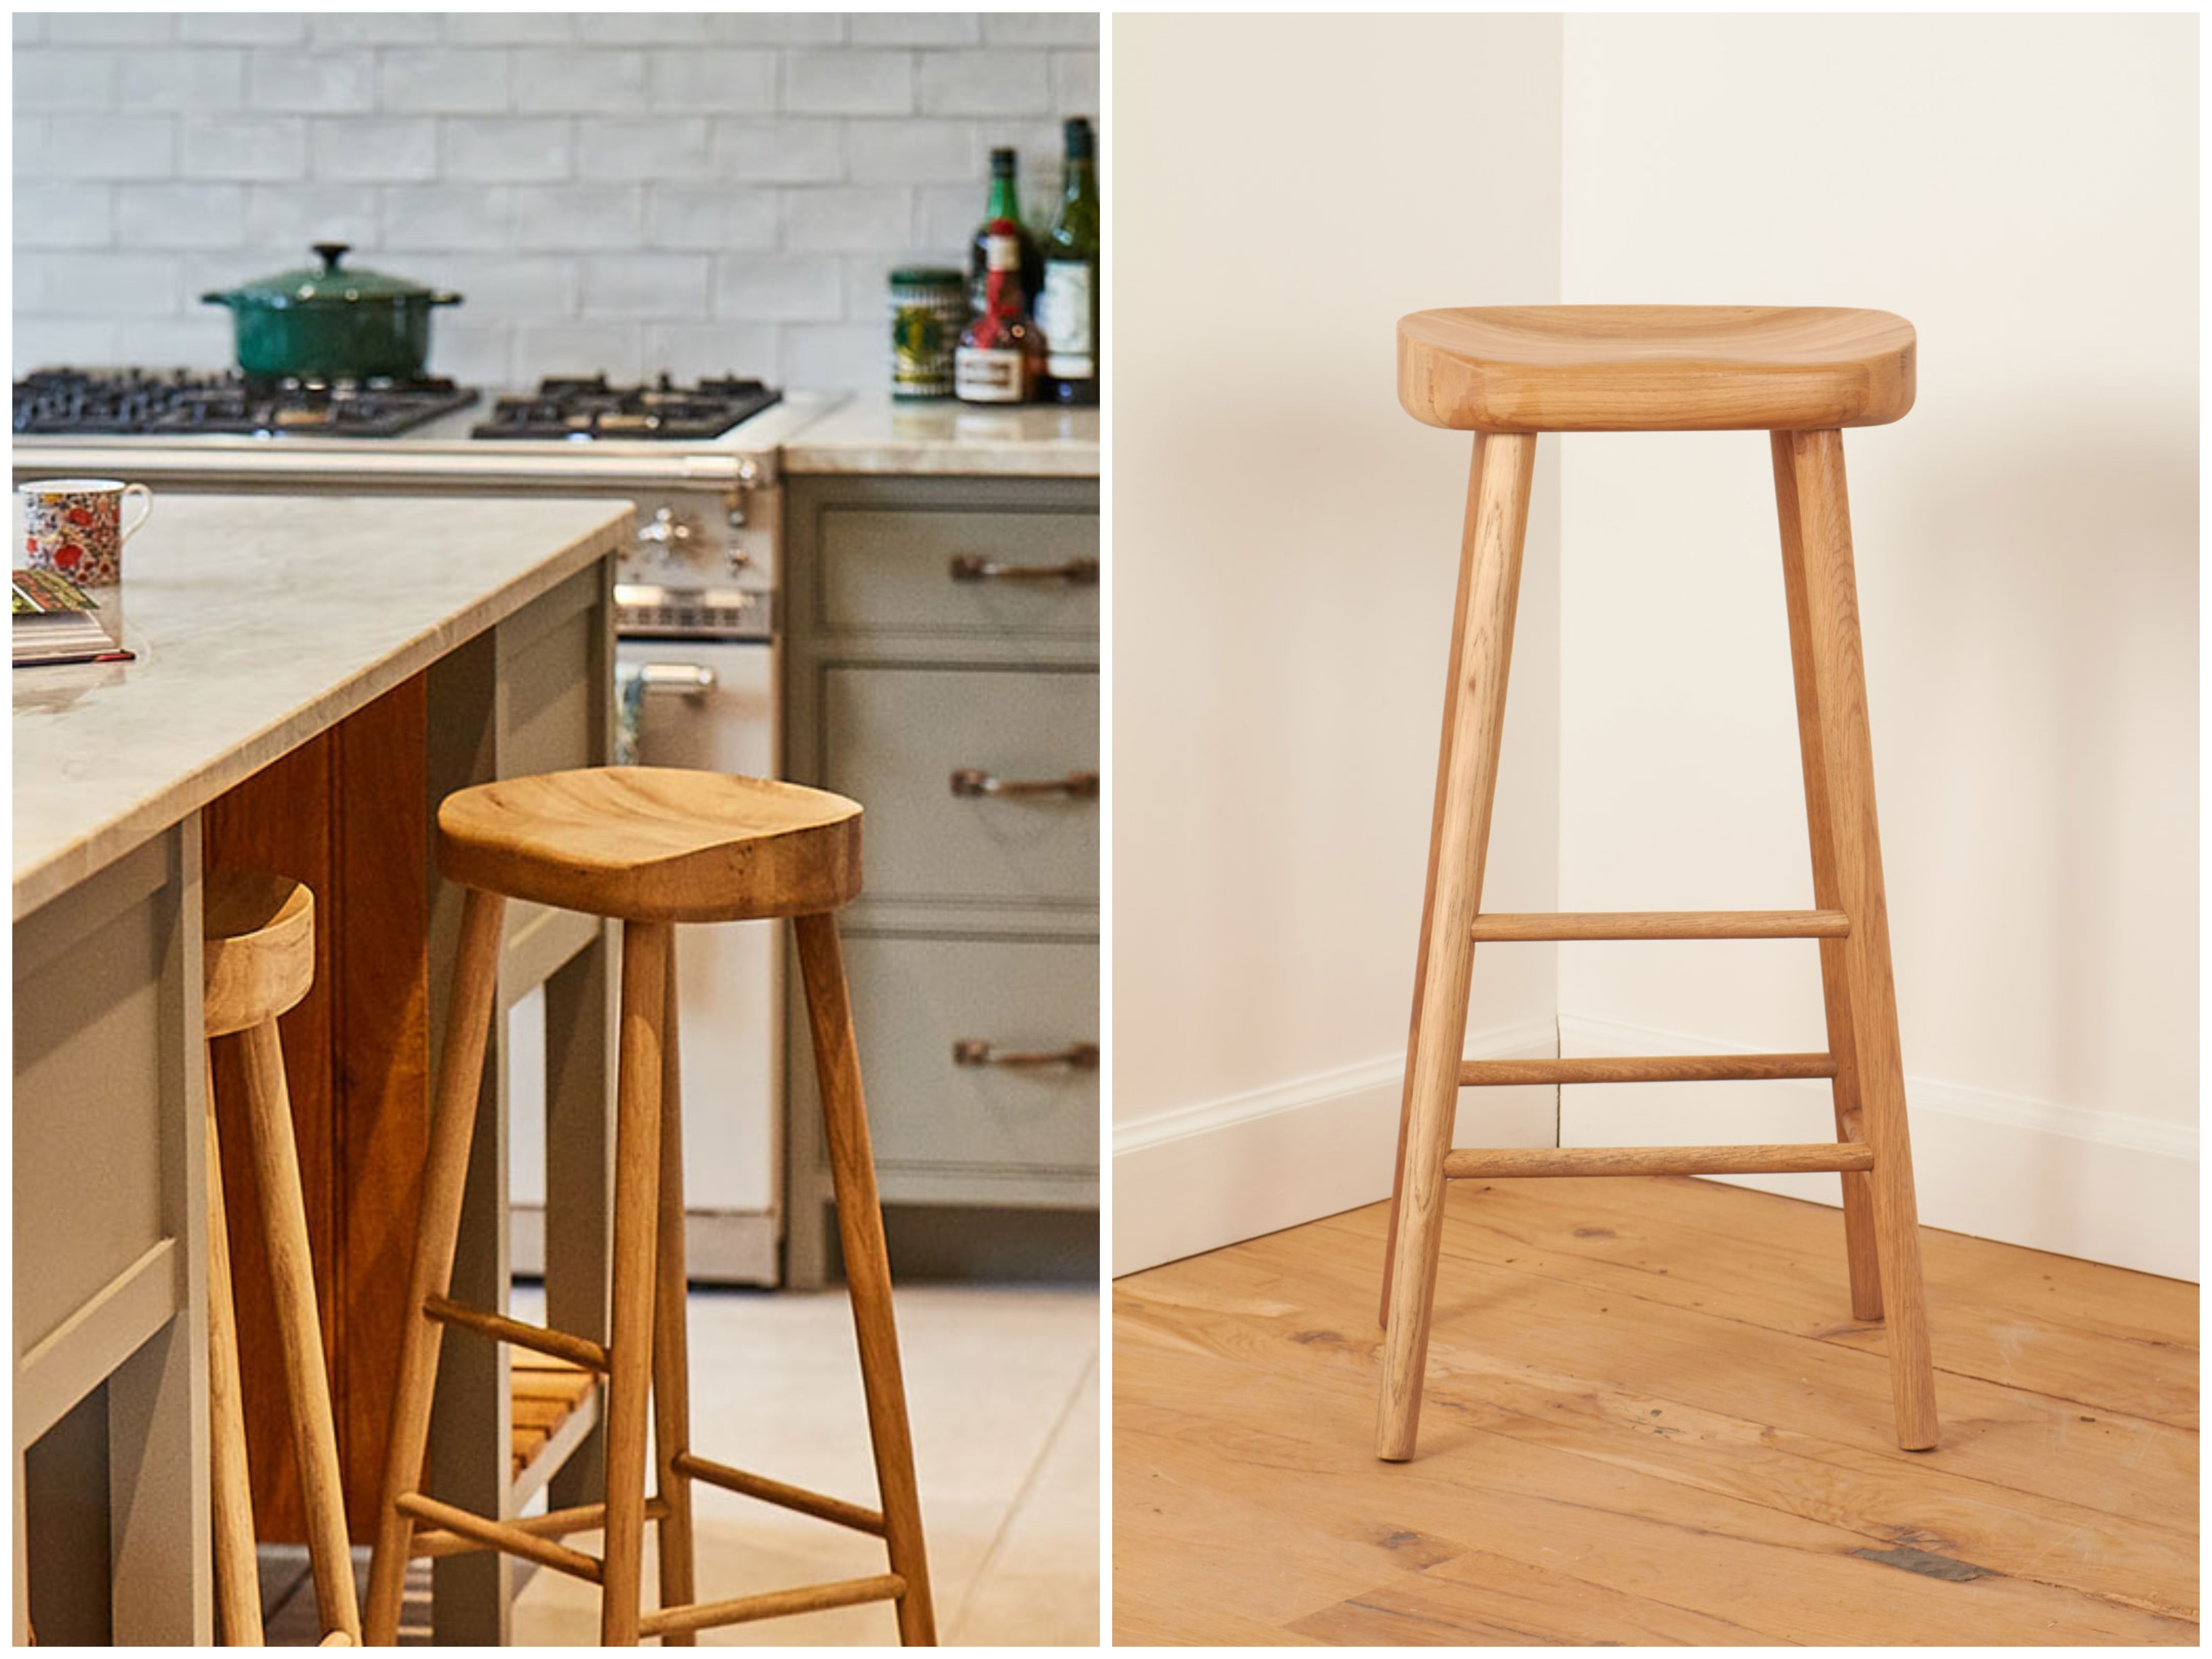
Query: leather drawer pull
974, 1051
971, 782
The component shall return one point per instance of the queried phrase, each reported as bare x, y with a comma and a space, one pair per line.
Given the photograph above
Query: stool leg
445, 1174
867, 1264
637, 1185
1429, 892
1859, 1191
672, 1379
1497, 522
1847, 753
300, 1331
237, 1577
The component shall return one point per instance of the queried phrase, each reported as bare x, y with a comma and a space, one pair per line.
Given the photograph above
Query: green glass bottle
1067, 309
1006, 204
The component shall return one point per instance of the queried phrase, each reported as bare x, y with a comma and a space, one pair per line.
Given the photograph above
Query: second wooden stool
653, 847
259, 948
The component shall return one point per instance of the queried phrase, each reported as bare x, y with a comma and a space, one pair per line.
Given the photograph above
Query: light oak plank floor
1650, 1419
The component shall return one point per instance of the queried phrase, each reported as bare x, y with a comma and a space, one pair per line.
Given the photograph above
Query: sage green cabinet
920, 644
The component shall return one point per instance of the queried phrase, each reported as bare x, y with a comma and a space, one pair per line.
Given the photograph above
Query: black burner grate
183, 403
581, 410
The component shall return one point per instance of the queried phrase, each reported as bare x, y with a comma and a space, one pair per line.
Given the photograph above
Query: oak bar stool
1801, 375
653, 847
260, 954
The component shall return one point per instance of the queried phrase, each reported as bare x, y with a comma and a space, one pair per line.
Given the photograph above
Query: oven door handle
683, 679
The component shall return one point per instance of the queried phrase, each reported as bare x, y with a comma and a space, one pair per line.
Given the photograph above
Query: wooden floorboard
1651, 1420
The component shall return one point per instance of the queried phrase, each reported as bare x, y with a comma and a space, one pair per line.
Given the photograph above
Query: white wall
1285, 552
2024, 189
702, 192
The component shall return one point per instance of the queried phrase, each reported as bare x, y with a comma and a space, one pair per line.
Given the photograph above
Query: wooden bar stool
1801, 375
653, 847
260, 950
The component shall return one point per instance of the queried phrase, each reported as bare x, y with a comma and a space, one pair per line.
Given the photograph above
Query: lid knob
332, 252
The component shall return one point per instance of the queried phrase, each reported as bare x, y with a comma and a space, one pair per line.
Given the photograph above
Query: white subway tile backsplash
992, 82
442, 218
503, 151
245, 148
242, 28
73, 81
644, 148
561, 80
111, 147
854, 82
443, 82
916, 28
64, 216
724, 79
793, 152
713, 218
847, 219
206, 78
181, 216
312, 82
665, 286
372, 150
702, 192
912, 152
280, 218
777, 288
578, 218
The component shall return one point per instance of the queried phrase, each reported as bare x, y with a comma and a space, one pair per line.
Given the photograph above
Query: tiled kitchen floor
1003, 1386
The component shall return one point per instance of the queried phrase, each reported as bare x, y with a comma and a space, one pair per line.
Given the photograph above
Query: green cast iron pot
332, 324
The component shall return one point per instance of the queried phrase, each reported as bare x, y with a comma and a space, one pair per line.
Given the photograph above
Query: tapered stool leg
1816, 463
671, 1378
630, 1345
299, 1328
867, 1264
1496, 523
1859, 1242
1436, 840
237, 1576
445, 1174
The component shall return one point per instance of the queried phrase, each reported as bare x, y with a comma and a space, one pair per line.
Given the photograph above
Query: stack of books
57, 620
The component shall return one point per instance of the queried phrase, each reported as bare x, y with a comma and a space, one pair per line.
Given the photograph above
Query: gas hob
180, 402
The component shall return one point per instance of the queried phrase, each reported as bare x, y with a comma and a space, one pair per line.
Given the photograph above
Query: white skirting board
2102, 1185
1201, 1176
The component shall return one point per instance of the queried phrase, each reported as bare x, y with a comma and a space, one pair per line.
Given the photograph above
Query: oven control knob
740, 560
667, 531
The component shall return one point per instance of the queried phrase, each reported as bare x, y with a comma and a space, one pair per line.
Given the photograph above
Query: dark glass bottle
997, 359
1006, 204
1067, 309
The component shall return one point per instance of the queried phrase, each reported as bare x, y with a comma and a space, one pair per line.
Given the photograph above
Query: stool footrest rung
1644, 1068
507, 1537
576, 1350
431, 1542
773, 1604
780, 1493
1662, 924
1658, 1160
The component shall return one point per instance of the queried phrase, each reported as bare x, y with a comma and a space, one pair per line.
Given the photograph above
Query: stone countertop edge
58, 861
874, 433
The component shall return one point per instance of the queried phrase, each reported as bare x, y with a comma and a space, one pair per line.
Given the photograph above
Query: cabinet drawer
893, 738
892, 572
913, 999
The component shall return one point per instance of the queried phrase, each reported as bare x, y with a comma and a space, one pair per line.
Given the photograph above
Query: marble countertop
877, 433
258, 621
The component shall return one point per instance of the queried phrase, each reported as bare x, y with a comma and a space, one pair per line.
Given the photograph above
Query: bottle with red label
1000, 349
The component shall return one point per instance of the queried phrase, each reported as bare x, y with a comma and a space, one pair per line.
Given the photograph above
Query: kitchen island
478, 632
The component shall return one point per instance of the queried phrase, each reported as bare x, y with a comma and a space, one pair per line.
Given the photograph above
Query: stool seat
1655, 368
257, 933
649, 843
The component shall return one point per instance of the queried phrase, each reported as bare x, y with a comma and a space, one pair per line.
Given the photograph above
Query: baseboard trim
1199, 1177
2103, 1186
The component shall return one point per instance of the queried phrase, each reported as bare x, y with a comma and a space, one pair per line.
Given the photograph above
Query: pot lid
328, 284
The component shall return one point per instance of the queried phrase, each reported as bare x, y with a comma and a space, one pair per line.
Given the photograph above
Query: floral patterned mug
75, 526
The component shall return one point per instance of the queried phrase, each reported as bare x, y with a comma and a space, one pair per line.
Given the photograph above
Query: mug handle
146, 497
